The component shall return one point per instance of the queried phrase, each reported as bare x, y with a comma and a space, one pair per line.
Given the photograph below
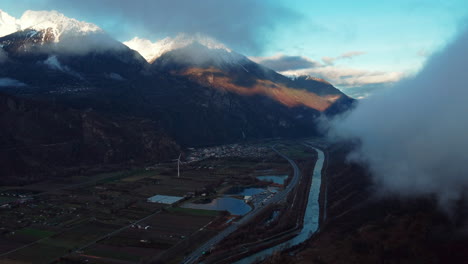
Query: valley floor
107, 218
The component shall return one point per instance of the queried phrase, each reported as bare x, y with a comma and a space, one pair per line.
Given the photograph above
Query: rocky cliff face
40, 140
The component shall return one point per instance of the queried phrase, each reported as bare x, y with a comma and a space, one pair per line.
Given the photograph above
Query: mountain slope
49, 41
196, 90
220, 68
40, 140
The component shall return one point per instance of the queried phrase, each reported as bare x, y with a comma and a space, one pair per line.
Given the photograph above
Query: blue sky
389, 39
398, 32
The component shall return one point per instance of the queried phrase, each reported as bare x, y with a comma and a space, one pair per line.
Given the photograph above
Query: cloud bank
285, 63
414, 135
348, 77
357, 83
242, 24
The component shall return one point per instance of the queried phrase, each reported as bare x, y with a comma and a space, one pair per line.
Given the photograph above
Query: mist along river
311, 217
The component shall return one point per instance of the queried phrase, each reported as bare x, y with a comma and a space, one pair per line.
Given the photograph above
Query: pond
278, 179
232, 205
245, 191
250, 191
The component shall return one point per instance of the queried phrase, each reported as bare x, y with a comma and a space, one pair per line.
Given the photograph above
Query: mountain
151, 51
57, 26
196, 90
248, 99
215, 66
39, 140
55, 54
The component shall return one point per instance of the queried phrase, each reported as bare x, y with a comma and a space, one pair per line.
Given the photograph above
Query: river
311, 217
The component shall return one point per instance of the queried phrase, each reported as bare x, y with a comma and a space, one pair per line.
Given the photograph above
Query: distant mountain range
190, 88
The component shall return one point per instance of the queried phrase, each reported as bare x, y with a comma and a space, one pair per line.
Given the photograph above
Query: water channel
311, 217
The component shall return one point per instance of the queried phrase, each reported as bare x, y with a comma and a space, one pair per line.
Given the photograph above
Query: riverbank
310, 220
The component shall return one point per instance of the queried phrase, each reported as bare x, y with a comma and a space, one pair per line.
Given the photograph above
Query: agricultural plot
63, 216
158, 235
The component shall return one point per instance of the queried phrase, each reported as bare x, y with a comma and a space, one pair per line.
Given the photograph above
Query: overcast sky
359, 46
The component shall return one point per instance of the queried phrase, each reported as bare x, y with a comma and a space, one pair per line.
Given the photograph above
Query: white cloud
345, 78
281, 62
53, 63
348, 77
413, 136
8, 24
346, 55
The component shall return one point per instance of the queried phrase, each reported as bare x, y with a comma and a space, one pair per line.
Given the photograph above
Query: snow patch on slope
153, 50
52, 21
60, 25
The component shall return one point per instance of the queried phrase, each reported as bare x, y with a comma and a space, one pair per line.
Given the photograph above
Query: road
194, 256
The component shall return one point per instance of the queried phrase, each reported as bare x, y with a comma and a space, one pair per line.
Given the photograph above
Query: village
226, 151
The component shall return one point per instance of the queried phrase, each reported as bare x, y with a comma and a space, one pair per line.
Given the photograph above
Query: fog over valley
413, 135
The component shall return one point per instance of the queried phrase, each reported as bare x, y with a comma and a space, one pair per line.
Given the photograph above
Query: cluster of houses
233, 150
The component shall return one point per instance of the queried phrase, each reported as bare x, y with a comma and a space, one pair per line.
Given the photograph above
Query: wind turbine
178, 166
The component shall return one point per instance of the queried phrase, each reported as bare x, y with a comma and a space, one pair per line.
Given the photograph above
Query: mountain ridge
199, 91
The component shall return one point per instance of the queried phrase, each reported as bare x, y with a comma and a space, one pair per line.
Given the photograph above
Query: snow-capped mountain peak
59, 24
8, 24
54, 22
153, 50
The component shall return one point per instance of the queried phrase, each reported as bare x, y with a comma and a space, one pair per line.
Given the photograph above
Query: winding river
311, 217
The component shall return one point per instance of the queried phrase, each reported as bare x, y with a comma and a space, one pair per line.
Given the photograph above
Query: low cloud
413, 135
115, 76
282, 62
243, 25
8, 82
359, 82
53, 63
348, 77
81, 45
3, 56
367, 90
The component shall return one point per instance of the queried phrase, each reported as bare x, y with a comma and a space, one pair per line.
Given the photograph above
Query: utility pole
178, 166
